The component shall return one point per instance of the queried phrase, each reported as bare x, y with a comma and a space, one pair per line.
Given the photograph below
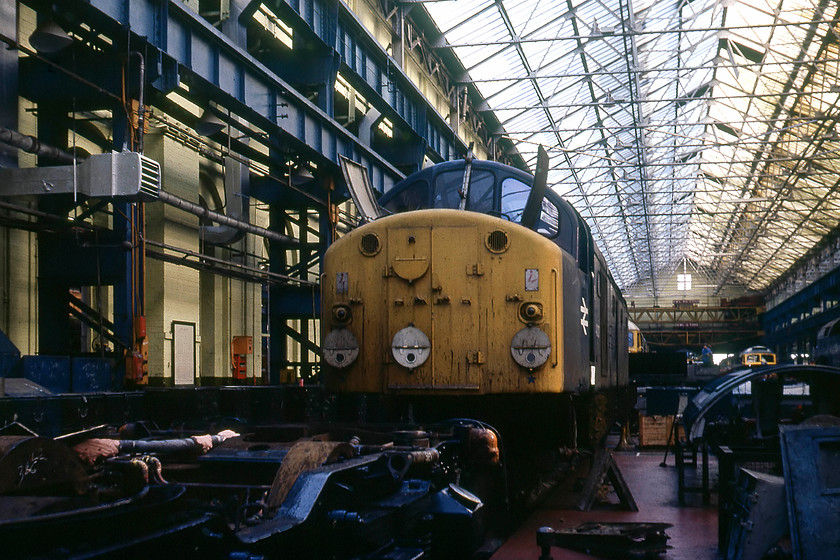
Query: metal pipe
257, 275
138, 222
34, 146
46, 216
141, 108
183, 445
237, 204
202, 212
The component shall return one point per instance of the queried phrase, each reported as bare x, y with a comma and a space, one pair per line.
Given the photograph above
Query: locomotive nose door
456, 277
432, 286
408, 287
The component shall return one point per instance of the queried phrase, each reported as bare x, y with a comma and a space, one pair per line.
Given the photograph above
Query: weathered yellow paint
436, 273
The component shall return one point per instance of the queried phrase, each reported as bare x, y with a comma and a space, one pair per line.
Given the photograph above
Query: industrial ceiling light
301, 176
209, 124
49, 37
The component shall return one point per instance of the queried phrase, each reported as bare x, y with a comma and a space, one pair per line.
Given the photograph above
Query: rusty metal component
342, 314
531, 312
95, 450
484, 446
758, 516
400, 461
302, 457
155, 469
303, 498
372, 506
425, 456
610, 540
32, 465
411, 438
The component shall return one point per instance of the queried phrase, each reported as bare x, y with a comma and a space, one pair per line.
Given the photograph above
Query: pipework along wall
219, 307
230, 307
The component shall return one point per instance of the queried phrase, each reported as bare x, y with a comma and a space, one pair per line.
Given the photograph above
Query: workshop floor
654, 488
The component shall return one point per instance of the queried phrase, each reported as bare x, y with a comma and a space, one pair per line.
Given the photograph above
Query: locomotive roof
756, 350
500, 170
459, 164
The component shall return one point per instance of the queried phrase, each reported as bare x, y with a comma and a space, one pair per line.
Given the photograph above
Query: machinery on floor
278, 491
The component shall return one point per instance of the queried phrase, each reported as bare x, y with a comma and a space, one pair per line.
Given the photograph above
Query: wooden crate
655, 430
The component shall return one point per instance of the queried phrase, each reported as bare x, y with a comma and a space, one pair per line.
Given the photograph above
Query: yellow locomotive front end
443, 302
479, 303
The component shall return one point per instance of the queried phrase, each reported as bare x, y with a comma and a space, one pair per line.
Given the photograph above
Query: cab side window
549, 219
585, 253
515, 196
412, 197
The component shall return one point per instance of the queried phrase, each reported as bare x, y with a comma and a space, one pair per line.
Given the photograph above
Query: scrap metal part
367, 506
35, 464
611, 540
757, 515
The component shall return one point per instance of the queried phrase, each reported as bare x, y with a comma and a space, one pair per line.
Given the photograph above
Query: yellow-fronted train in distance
757, 356
636, 342
475, 296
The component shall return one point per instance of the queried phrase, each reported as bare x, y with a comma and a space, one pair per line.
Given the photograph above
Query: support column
277, 350
8, 157
8, 78
53, 288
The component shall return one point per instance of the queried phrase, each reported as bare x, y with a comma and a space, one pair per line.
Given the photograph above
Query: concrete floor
693, 535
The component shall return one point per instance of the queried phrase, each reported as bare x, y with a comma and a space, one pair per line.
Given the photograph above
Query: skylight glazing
701, 130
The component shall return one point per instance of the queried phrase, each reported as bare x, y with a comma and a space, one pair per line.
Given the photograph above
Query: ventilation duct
119, 175
237, 185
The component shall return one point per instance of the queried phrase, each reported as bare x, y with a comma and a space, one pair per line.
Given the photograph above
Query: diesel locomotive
475, 293
636, 342
757, 356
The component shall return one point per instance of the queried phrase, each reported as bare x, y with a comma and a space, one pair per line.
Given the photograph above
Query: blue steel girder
239, 82
795, 317
369, 69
